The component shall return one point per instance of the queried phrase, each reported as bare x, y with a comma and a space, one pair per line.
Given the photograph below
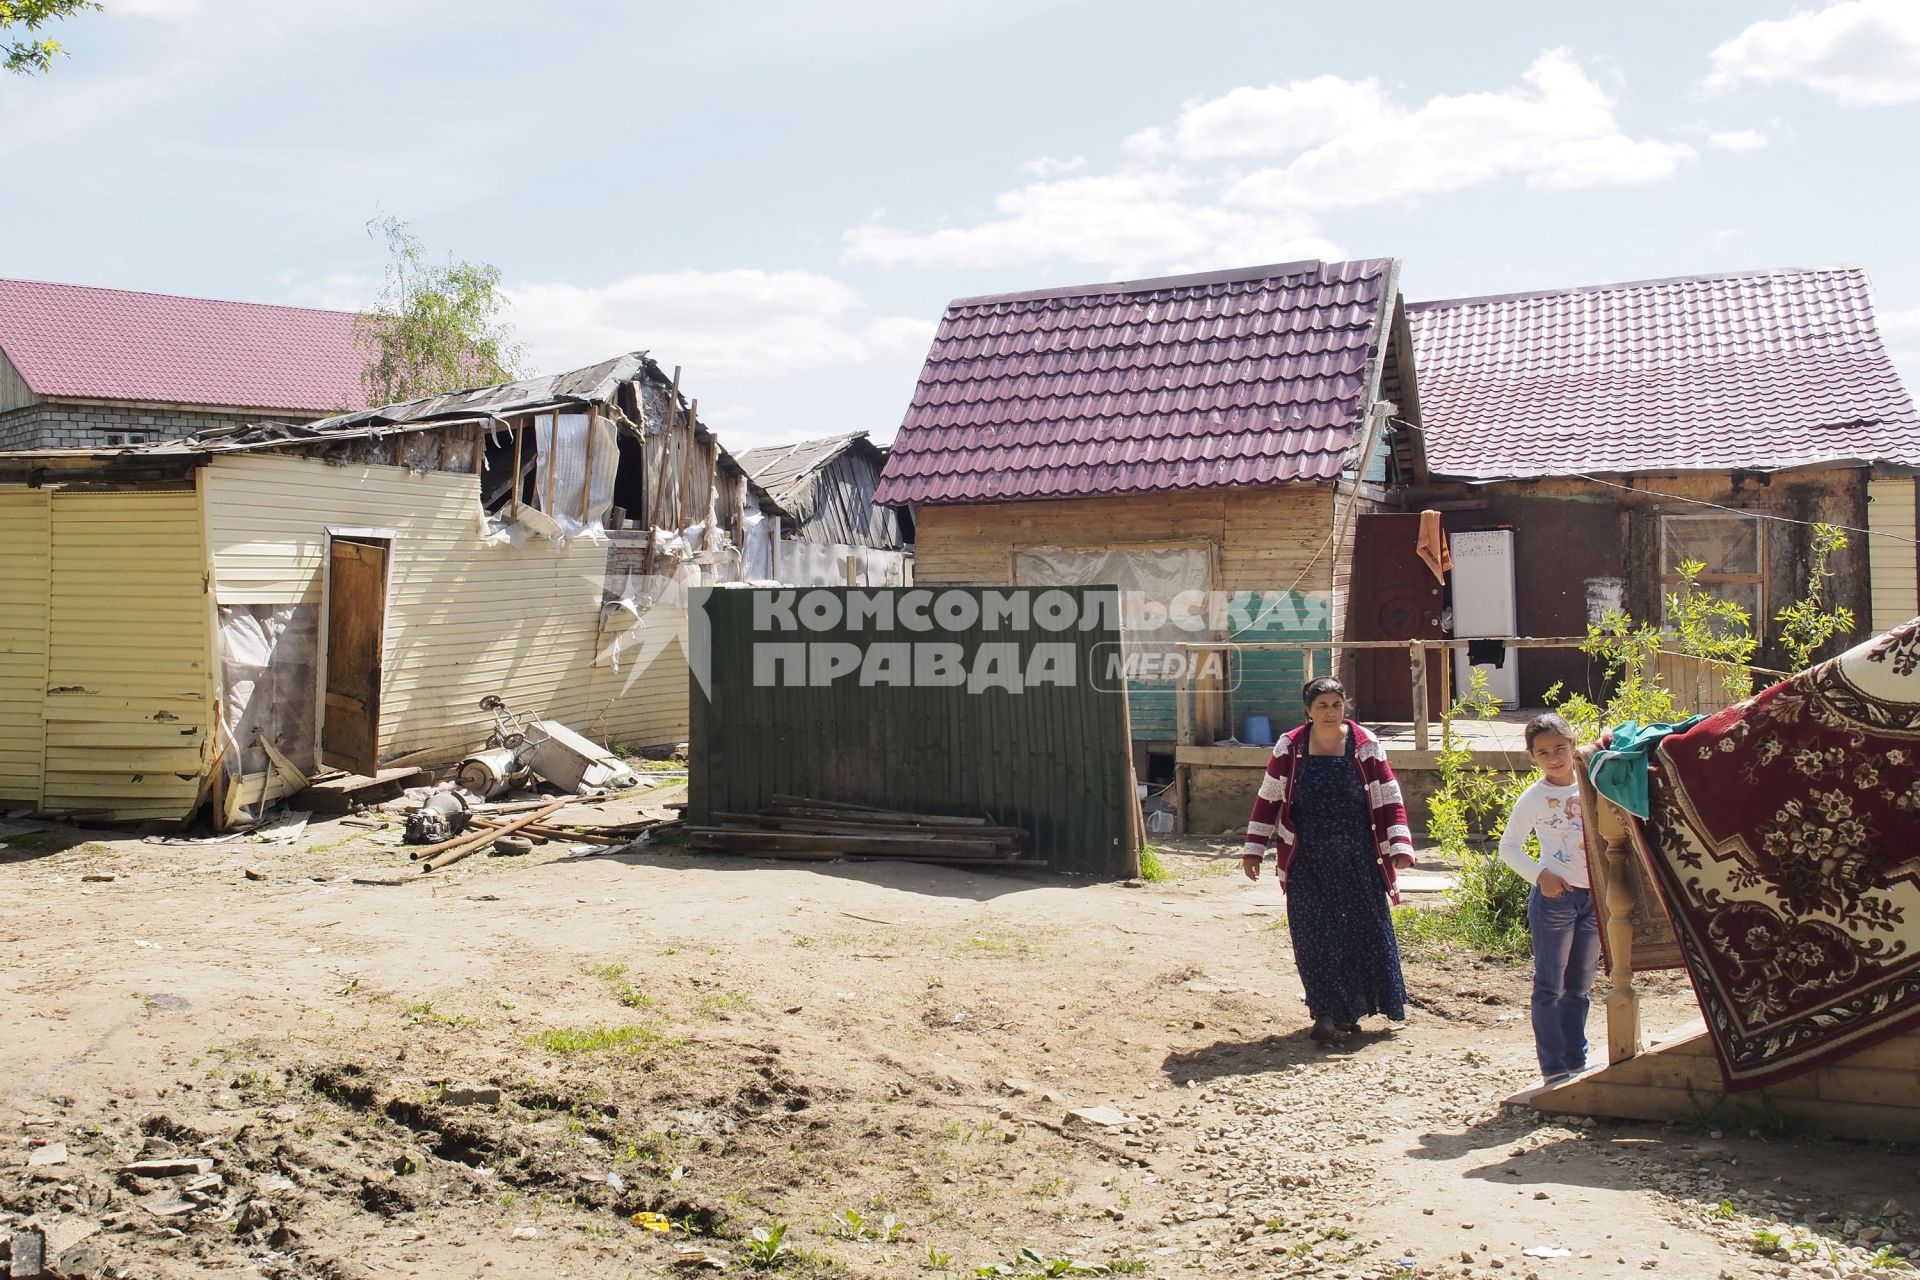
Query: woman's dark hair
1319, 685
1549, 722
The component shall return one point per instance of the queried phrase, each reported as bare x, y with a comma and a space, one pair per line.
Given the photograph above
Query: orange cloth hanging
1432, 545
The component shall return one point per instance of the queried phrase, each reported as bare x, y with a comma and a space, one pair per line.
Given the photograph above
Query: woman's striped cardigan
1273, 811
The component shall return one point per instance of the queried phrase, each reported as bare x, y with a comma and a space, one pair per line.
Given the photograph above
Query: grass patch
611, 972
635, 999
1152, 870
422, 1011
601, 1039
1485, 912
713, 1004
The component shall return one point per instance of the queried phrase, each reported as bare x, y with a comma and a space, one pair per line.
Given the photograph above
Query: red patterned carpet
1785, 842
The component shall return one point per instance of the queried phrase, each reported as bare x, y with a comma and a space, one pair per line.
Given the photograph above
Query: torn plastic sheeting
756, 544
563, 473
267, 684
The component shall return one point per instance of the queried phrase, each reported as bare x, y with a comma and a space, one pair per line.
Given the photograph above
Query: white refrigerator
1483, 605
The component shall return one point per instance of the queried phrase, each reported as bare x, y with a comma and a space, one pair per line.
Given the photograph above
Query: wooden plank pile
810, 830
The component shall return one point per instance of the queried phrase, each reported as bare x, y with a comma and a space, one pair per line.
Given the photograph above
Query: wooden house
1203, 441
1617, 430
209, 620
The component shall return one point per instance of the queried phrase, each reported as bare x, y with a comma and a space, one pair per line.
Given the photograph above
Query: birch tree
437, 327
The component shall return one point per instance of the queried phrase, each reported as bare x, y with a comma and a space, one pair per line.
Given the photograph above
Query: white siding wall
464, 619
1890, 559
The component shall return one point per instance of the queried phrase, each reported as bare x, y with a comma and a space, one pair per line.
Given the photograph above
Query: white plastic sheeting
824, 564
268, 684
563, 484
756, 551
1153, 581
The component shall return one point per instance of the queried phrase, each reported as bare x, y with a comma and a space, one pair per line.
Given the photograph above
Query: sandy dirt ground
629, 1065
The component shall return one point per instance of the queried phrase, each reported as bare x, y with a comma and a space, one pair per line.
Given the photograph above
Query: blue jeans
1566, 951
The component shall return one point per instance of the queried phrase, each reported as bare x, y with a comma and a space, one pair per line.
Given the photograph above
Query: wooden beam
586, 479
1623, 1002
553, 457
1421, 739
518, 477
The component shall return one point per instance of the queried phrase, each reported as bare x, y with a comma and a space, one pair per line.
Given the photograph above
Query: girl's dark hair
1549, 722
1317, 686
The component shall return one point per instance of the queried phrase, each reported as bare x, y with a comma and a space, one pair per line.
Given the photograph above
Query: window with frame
116, 439
1732, 547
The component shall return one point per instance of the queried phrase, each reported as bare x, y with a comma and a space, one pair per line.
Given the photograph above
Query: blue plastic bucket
1257, 731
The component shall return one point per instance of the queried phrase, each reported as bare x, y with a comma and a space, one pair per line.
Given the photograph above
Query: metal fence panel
1049, 755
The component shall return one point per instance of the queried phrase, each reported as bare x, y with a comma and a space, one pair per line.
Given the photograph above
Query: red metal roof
1254, 376
1763, 370
113, 344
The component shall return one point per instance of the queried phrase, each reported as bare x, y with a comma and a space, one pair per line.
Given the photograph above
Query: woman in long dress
1332, 809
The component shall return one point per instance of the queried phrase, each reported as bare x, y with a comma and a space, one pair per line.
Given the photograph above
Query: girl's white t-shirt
1553, 814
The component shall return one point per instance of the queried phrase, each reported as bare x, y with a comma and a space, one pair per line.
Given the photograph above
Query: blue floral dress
1337, 915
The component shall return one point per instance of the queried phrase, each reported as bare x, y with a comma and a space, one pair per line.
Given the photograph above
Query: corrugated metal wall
23, 641
129, 676
1051, 758
1890, 511
464, 618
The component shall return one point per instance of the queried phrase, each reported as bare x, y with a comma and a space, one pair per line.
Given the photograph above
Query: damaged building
210, 621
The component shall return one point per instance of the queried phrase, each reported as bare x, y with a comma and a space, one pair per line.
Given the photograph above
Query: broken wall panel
129, 708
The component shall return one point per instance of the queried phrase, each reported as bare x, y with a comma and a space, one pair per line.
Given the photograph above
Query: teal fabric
1619, 769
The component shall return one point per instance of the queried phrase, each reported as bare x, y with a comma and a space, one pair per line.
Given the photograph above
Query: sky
781, 196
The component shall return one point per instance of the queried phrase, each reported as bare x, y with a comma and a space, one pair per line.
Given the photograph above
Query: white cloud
1240, 178
1558, 131
716, 323
1053, 166
1260, 122
1125, 222
1738, 140
1858, 52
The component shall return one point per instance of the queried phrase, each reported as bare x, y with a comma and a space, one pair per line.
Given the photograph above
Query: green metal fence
850, 694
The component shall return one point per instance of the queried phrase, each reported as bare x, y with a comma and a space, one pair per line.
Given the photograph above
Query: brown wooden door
356, 623
1393, 596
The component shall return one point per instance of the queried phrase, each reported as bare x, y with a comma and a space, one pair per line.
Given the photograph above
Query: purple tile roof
1764, 370
1254, 376
114, 344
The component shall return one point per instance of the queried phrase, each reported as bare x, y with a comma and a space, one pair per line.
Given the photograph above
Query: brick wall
53, 425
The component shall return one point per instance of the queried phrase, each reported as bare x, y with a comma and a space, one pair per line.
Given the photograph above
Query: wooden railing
1188, 714
1200, 710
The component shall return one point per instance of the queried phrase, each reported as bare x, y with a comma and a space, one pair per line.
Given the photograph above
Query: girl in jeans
1566, 933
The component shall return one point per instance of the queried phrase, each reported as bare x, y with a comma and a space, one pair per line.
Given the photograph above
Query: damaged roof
595, 384
72, 340
786, 469
1253, 376
1760, 370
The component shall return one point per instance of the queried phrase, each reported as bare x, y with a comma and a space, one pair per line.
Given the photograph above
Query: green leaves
767, 1247
1806, 626
31, 57
436, 328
